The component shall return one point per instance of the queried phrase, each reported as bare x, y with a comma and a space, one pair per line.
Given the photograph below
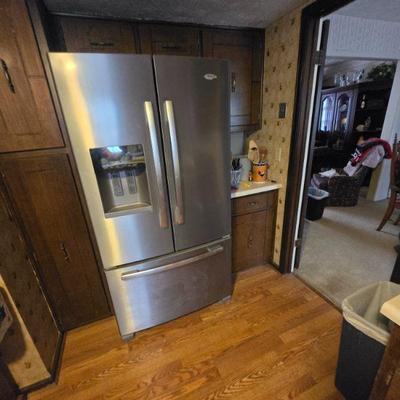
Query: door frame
304, 103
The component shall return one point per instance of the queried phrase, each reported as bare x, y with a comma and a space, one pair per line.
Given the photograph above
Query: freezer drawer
151, 293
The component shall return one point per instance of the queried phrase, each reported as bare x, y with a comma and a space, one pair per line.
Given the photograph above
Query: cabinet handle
7, 75
252, 203
171, 47
5, 195
101, 44
65, 252
177, 264
233, 82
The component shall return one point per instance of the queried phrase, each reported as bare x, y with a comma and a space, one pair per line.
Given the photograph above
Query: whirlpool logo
210, 77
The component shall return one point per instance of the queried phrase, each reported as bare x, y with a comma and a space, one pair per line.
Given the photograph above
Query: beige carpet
343, 252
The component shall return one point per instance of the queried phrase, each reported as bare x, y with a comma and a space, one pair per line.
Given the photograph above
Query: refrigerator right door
193, 96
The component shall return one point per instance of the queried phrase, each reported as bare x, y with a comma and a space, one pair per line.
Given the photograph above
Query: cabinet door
244, 51
343, 111
168, 39
84, 35
327, 112
17, 272
248, 239
272, 203
27, 117
45, 196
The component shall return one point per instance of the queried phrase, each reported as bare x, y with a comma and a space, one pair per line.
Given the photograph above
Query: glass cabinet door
343, 106
327, 112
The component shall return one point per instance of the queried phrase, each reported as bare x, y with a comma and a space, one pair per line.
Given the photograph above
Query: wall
280, 72
370, 38
378, 188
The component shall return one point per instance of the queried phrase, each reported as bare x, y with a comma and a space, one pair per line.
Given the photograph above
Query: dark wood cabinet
342, 110
244, 50
18, 273
27, 118
168, 39
99, 36
253, 230
43, 191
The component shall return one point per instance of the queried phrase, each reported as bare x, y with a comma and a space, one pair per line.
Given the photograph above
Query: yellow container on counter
259, 172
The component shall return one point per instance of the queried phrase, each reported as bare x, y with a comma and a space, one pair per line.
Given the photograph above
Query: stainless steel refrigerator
150, 136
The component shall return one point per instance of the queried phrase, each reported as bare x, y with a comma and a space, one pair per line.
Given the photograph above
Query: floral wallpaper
280, 71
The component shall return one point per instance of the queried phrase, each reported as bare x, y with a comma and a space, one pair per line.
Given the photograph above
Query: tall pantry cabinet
36, 172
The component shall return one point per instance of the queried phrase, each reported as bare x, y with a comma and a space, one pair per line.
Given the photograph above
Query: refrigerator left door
110, 109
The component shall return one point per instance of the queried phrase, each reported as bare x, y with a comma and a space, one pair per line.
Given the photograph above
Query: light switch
282, 110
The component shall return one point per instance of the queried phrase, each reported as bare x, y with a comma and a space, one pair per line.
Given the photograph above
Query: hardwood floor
275, 339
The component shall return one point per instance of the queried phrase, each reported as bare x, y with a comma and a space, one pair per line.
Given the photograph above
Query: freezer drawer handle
169, 111
211, 252
162, 206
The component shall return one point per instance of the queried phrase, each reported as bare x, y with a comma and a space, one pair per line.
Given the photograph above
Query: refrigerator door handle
210, 252
162, 215
169, 112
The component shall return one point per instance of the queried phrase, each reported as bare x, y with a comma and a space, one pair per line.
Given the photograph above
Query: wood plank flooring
275, 339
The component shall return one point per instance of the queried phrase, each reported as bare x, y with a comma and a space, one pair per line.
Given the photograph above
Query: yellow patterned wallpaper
280, 71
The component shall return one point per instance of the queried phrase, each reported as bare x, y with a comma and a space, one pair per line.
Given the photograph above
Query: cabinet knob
250, 241
252, 203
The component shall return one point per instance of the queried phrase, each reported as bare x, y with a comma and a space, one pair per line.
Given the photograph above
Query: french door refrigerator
150, 135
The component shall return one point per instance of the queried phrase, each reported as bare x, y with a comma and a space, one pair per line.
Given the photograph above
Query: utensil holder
235, 178
259, 172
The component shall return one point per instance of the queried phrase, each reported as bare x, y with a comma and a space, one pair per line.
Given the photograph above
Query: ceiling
384, 10
249, 13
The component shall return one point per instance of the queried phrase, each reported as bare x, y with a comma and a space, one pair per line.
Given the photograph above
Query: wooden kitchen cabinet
44, 193
253, 230
17, 272
244, 50
27, 117
169, 39
98, 36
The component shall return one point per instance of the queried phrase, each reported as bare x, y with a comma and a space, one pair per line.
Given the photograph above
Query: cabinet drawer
163, 289
249, 204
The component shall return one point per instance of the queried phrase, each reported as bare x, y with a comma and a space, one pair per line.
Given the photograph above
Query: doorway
326, 152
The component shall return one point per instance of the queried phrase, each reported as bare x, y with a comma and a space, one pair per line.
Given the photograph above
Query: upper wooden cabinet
244, 50
168, 39
27, 117
44, 194
98, 36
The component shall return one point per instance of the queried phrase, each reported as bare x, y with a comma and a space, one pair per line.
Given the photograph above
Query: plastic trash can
317, 199
365, 333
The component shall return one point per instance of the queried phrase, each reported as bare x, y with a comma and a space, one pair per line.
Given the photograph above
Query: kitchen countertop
249, 188
391, 309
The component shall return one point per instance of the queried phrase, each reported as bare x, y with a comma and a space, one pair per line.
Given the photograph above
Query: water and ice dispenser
122, 179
